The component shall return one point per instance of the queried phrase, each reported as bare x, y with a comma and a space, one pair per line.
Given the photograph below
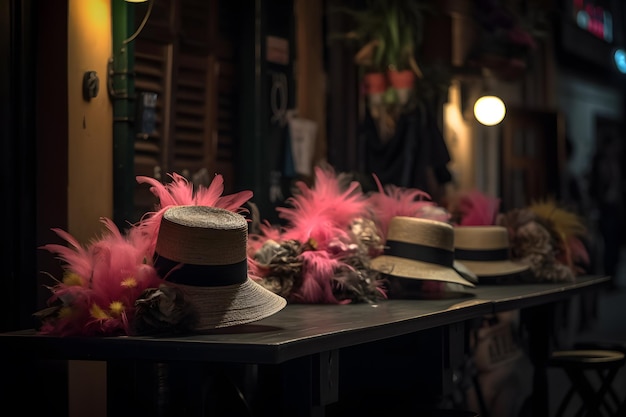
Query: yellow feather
564, 222
72, 278
116, 308
98, 313
65, 312
129, 282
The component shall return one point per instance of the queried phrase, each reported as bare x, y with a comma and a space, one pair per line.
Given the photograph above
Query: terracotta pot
375, 82
401, 79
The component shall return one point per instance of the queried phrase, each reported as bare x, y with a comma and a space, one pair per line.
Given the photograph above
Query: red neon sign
594, 19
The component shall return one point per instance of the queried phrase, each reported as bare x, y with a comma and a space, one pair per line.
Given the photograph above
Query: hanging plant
388, 34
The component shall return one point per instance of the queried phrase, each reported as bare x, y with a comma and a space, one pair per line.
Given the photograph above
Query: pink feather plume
318, 269
102, 281
477, 209
319, 218
391, 201
180, 192
323, 211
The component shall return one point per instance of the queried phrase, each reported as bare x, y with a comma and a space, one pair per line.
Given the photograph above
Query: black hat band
201, 275
485, 255
419, 252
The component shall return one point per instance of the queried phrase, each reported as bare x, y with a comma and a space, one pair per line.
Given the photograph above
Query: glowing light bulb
489, 110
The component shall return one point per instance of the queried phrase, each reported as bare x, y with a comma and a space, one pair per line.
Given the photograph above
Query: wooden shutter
185, 55
152, 72
193, 148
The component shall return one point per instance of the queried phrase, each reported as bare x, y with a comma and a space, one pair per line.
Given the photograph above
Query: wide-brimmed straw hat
203, 250
420, 249
485, 251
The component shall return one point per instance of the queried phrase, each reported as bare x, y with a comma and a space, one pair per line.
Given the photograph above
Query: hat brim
407, 268
495, 268
465, 272
231, 305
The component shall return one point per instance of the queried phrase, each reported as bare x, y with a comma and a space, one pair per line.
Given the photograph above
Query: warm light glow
489, 110
136, 1
458, 135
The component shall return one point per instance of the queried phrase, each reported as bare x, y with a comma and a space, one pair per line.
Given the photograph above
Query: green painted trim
121, 84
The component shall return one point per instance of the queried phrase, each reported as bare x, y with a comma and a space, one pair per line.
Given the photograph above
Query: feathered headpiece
391, 201
100, 284
321, 254
474, 208
180, 192
568, 230
110, 286
548, 238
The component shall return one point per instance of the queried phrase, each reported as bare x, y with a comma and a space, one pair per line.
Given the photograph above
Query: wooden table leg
538, 322
301, 387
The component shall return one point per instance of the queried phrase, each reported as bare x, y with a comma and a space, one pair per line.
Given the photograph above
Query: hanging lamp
489, 110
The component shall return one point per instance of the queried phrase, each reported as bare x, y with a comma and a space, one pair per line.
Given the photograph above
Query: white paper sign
302, 133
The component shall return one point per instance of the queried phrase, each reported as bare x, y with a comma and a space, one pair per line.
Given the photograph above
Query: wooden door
533, 156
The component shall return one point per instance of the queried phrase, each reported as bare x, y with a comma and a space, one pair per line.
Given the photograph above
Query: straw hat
485, 251
420, 249
203, 251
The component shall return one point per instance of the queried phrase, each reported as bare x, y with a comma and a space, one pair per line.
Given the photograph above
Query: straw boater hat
204, 250
485, 251
420, 249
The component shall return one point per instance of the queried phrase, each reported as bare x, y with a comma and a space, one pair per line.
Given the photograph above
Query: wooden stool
620, 346
576, 363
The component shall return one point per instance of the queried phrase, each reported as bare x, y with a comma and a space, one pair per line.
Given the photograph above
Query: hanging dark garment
416, 156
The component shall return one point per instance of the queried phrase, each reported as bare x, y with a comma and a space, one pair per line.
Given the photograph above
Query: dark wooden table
287, 364
301, 344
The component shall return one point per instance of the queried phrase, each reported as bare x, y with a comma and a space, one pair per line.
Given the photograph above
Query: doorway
533, 157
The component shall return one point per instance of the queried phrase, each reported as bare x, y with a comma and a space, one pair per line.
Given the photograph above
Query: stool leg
565, 402
609, 394
621, 411
593, 400
605, 388
590, 401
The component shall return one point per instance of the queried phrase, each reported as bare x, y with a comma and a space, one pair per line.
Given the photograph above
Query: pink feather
74, 321
576, 255
320, 218
208, 196
117, 259
113, 270
180, 192
317, 281
235, 202
477, 209
267, 232
77, 258
391, 201
323, 211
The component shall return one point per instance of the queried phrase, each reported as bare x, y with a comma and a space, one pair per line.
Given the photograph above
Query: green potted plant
388, 33
404, 24
367, 33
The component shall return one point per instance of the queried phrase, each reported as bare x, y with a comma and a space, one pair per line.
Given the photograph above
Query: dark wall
267, 93
33, 122
33, 135
17, 96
